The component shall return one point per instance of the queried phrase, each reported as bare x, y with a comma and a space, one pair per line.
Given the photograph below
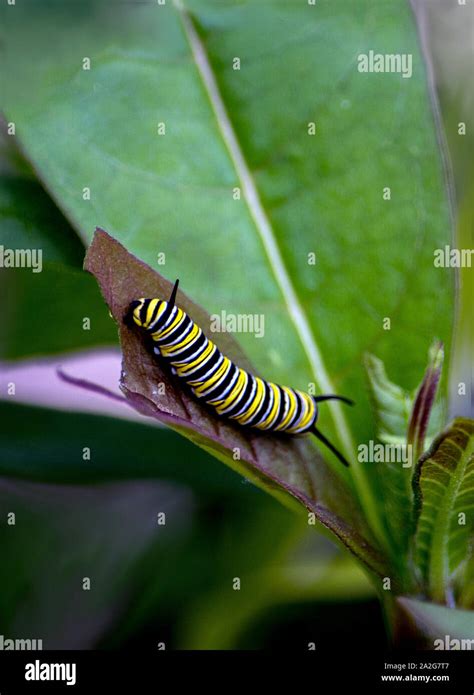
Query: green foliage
237, 197
391, 404
300, 194
402, 418
61, 294
445, 491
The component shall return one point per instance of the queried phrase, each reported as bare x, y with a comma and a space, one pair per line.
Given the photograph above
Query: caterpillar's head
145, 313
150, 314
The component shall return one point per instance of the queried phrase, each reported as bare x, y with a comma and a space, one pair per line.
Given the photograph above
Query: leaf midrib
268, 239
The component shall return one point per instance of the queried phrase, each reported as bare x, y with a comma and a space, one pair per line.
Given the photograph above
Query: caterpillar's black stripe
212, 377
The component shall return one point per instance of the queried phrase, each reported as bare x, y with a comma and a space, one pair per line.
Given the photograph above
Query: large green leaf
444, 486
248, 128
447, 49
61, 295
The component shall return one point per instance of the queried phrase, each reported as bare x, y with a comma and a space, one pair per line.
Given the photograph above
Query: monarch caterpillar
212, 377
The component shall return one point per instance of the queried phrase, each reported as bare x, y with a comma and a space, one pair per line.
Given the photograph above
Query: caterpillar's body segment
212, 377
